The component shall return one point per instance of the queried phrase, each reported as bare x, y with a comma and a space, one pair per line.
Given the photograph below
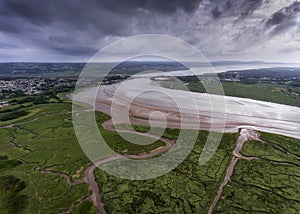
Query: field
267, 184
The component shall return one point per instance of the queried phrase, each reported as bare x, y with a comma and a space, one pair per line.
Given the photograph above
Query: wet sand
126, 103
139, 97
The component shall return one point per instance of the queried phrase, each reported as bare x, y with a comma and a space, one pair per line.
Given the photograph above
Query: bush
14, 115
11, 201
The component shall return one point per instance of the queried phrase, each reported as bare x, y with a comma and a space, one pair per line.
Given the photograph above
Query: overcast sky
75, 30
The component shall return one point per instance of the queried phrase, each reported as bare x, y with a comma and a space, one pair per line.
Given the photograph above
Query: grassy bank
270, 92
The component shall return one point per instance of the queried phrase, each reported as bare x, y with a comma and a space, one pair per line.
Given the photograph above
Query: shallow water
141, 96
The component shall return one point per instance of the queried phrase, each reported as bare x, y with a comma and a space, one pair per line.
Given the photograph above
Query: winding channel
245, 135
89, 175
243, 115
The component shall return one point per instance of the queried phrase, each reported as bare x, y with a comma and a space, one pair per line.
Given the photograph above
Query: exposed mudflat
140, 96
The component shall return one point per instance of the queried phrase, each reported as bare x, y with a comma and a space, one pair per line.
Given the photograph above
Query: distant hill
40, 69
43, 70
28, 70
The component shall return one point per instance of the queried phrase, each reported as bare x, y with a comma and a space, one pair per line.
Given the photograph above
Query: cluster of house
28, 86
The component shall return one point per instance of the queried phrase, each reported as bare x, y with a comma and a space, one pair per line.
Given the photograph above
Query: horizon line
217, 61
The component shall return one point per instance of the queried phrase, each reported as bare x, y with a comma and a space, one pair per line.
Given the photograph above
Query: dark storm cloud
54, 24
80, 11
59, 26
216, 13
250, 6
82, 27
284, 18
75, 51
165, 6
106, 14
74, 13
239, 8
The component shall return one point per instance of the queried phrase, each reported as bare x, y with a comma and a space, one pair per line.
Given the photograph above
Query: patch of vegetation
46, 140
35, 111
7, 164
11, 199
270, 92
85, 207
189, 188
269, 152
142, 129
270, 183
291, 145
118, 144
13, 115
261, 186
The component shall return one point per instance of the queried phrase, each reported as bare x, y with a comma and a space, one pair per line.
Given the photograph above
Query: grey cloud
75, 51
78, 27
108, 17
216, 13
238, 8
166, 6
76, 13
43, 12
284, 18
250, 6
97, 19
